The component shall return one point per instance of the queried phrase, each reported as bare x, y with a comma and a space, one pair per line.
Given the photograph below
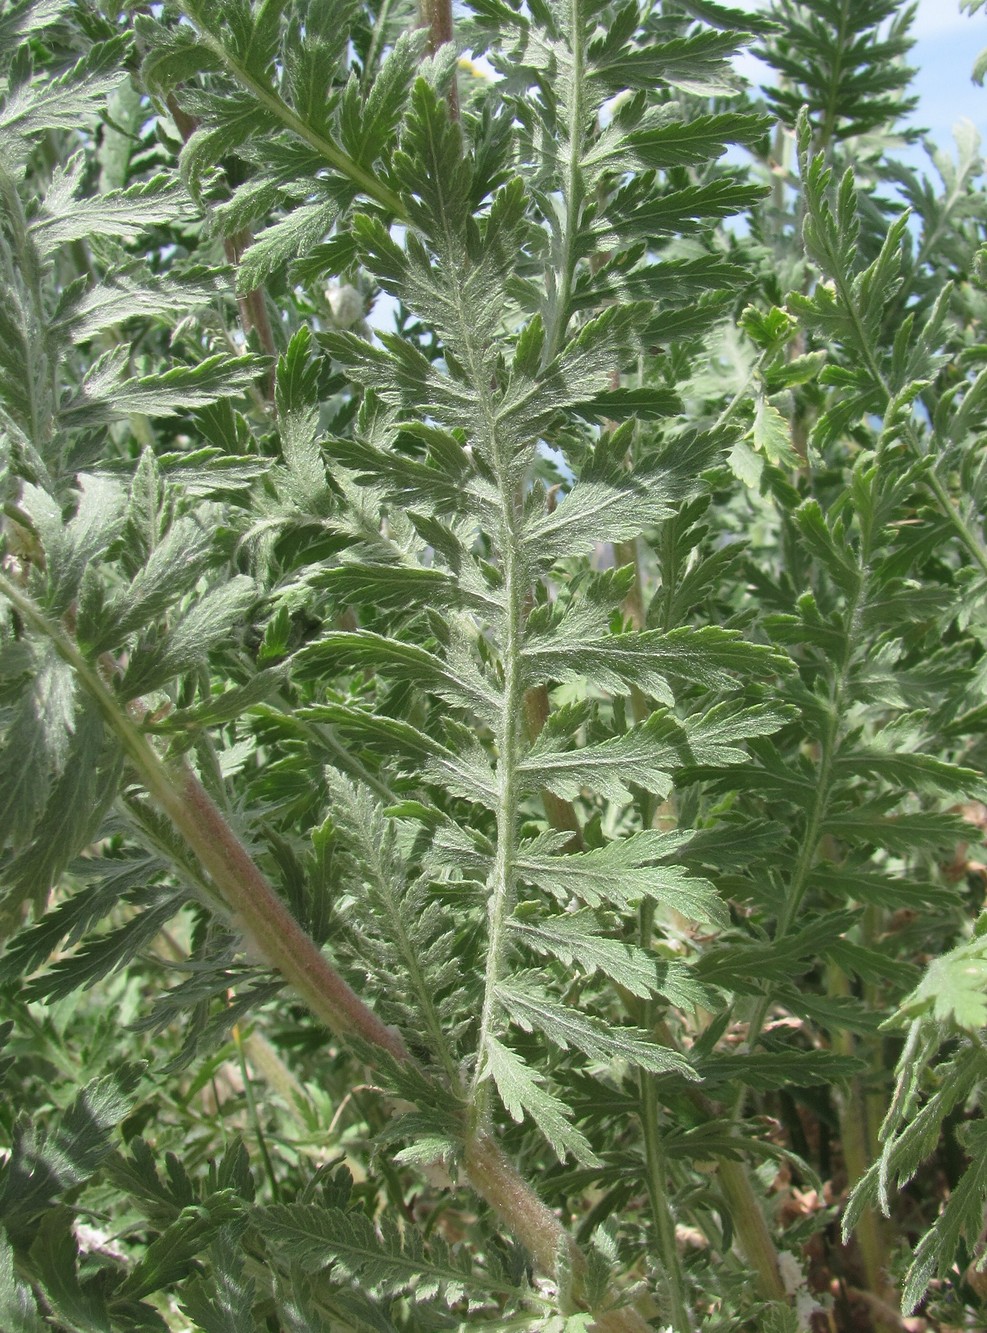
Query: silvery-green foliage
584, 635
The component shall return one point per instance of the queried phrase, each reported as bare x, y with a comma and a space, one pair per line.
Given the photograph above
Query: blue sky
947, 42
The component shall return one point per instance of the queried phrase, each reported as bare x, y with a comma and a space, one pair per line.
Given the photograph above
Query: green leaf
531, 1009
953, 989
430, 164
122, 213
746, 964
296, 396
107, 394
960, 1220
728, 16
695, 142
645, 756
907, 1145
711, 736
706, 656
383, 1263
18, 1308
770, 329
70, 548
105, 954
81, 1307
77, 801
72, 98
520, 1091
173, 54
697, 64
622, 873
279, 244
459, 682
36, 745
680, 212
771, 435
176, 563
910, 771
223, 1302
23, 20
898, 833
767, 1070
595, 511
209, 621
44, 1163
231, 703
130, 295
366, 129
623, 404
242, 118
170, 1256
575, 937
396, 587
104, 884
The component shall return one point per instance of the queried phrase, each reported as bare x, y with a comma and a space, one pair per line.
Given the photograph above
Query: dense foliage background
492, 671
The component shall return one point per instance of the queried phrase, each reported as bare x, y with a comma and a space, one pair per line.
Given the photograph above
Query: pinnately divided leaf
521, 1092
577, 937
320, 1238
531, 1009
624, 872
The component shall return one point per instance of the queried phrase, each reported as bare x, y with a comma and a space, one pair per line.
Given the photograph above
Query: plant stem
509, 746
497, 1180
267, 921
753, 1236
252, 306
277, 937
436, 16
564, 272
256, 907
813, 831
657, 1167
858, 1153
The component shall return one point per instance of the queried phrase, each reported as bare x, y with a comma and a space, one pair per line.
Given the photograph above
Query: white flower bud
345, 305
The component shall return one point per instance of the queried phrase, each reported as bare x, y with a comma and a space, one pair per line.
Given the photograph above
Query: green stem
436, 16
377, 38
572, 189
753, 1236
37, 368
858, 1153
808, 850
253, 1116
510, 740
832, 107
657, 1166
